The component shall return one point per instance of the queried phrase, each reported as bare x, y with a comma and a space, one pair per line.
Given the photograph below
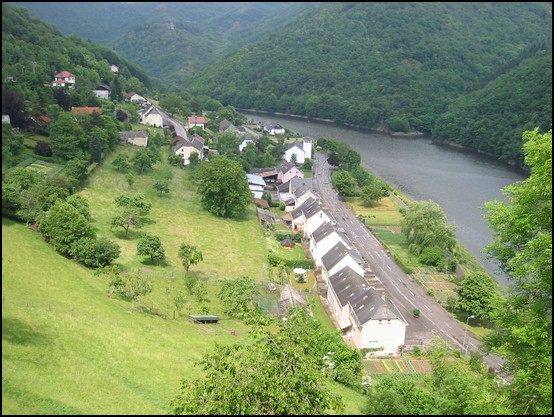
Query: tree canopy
523, 246
223, 187
424, 225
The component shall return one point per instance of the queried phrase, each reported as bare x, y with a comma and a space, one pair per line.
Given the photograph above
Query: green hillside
26, 40
394, 66
68, 348
170, 40
491, 119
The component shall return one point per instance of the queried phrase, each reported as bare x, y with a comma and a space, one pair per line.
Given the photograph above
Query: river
459, 181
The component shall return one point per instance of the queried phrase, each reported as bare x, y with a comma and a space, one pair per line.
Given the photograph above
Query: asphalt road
404, 293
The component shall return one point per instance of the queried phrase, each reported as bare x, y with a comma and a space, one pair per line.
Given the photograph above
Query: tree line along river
461, 182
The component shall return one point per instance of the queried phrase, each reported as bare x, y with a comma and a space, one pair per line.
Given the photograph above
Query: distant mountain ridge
169, 40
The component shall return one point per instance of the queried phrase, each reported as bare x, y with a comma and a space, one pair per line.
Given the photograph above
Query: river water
459, 181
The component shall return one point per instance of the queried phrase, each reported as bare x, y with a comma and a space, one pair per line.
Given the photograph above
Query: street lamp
465, 334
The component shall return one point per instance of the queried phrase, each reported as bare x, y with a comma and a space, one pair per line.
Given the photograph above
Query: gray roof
323, 231
372, 304
368, 303
335, 255
290, 297
297, 212
296, 143
265, 215
255, 179
125, 136
304, 188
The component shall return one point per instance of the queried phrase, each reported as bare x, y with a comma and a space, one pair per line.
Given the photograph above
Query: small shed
203, 318
287, 243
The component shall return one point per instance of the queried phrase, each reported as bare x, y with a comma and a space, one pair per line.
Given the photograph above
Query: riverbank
335, 123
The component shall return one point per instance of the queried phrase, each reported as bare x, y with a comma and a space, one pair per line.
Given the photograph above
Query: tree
121, 163
223, 187
130, 179
151, 246
189, 255
424, 224
344, 183
43, 148
372, 193
134, 201
272, 375
134, 208
172, 103
523, 246
66, 137
132, 287
143, 160
477, 295
95, 252
64, 225
161, 187
237, 297
95, 147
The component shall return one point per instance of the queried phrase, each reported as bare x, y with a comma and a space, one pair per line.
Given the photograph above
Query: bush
432, 256
416, 312
43, 148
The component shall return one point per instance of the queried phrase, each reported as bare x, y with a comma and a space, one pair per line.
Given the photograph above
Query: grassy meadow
68, 348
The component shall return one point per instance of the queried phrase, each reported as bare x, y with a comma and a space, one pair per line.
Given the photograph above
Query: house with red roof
64, 79
197, 121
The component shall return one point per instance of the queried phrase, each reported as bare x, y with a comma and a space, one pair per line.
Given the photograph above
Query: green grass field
68, 348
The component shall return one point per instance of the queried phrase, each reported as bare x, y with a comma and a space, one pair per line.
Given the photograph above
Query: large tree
523, 247
223, 187
64, 225
424, 225
151, 246
273, 375
477, 295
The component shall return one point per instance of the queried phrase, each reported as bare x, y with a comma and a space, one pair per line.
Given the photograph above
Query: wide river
460, 182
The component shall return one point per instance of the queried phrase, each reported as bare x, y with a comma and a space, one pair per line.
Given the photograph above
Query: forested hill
33, 51
492, 119
396, 66
169, 40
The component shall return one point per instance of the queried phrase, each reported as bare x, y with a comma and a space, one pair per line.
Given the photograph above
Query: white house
299, 151
302, 193
245, 141
6, 119
139, 138
137, 98
64, 79
315, 216
152, 116
103, 91
298, 218
370, 320
114, 68
197, 121
323, 239
185, 148
273, 128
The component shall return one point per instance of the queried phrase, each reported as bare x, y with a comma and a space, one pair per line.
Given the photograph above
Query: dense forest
170, 41
392, 66
491, 119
